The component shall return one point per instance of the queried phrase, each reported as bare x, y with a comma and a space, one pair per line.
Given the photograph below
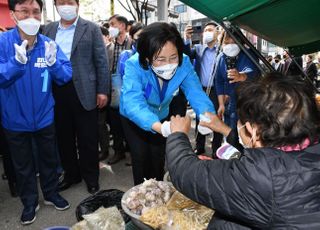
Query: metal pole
303, 74
162, 10
44, 12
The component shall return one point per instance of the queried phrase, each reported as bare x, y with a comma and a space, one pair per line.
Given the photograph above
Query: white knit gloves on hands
204, 130
21, 52
165, 129
50, 52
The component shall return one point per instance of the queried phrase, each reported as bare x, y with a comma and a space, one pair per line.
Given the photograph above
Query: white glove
165, 129
21, 52
201, 129
50, 52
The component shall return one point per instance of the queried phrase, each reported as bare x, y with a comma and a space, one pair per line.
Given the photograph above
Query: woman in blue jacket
152, 78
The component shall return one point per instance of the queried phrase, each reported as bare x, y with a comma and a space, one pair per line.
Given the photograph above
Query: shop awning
5, 20
288, 23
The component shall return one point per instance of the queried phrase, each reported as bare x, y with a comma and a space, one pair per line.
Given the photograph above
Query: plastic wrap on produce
102, 219
178, 213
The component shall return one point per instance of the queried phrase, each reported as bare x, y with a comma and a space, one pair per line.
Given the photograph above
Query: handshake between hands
208, 122
50, 52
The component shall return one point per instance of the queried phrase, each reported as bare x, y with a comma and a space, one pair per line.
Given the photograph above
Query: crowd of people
66, 91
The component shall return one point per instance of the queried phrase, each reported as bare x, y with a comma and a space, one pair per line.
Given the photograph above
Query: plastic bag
179, 213
105, 198
116, 83
101, 219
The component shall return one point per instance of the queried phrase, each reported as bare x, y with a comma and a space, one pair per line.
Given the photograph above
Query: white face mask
207, 37
250, 142
67, 12
231, 50
166, 71
29, 26
113, 32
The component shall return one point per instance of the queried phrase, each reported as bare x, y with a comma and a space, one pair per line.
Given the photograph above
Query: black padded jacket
265, 189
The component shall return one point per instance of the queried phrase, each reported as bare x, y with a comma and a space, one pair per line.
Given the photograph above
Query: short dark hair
211, 23
278, 56
12, 3
106, 25
120, 18
113, 16
283, 107
104, 31
131, 22
135, 28
77, 1
153, 38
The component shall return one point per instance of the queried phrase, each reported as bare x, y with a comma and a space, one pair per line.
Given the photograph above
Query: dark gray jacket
90, 70
265, 189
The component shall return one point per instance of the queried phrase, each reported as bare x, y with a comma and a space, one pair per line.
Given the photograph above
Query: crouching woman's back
275, 184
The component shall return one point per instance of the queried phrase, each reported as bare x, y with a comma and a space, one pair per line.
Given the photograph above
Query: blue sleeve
10, 68
248, 67
191, 52
124, 56
133, 103
220, 78
61, 70
193, 91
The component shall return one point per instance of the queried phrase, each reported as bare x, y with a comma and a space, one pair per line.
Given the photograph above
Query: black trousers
178, 105
6, 157
77, 135
20, 145
217, 137
116, 130
103, 130
147, 152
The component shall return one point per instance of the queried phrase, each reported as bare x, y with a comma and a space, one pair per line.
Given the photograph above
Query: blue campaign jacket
124, 56
140, 99
26, 101
223, 87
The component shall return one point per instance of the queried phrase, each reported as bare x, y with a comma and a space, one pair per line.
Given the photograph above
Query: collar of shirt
205, 47
34, 43
124, 42
74, 24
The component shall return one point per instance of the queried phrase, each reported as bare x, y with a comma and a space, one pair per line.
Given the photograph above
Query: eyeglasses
26, 13
163, 60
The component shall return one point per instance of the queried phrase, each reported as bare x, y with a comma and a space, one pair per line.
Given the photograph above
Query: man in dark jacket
274, 185
77, 102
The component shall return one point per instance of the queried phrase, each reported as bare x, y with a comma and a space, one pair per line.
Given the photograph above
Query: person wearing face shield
274, 184
233, 67
77, 103
29, 64
152, 77
205, 57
